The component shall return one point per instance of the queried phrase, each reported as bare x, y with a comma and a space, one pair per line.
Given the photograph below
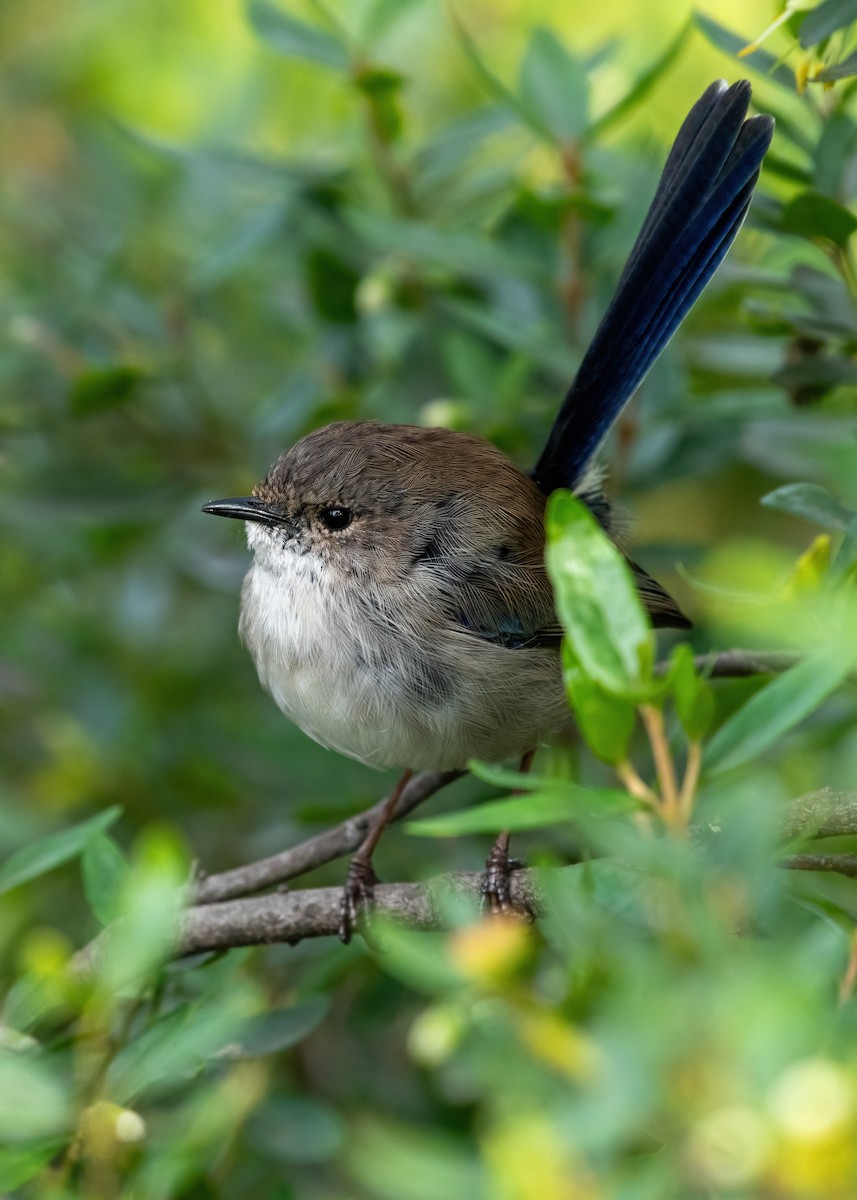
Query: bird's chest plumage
342, 662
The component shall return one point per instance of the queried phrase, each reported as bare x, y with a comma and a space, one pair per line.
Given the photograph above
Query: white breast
388, 692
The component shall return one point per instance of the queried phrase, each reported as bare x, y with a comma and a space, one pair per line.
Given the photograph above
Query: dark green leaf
553, 85
777, 708
277, 1030
824, 20
813, 215
100, 388
841, 70
731, 44
812, 502
50, 851
596, 599
104, 871
296, 39
332, 284
295, 1129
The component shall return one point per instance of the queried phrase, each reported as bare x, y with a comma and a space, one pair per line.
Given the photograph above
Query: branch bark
316, 851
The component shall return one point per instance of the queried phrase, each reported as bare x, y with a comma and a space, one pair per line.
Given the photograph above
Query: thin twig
653, 719
689, 783
841, 864
316, 851
739, 664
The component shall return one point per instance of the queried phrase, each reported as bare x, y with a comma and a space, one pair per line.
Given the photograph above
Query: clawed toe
357, 897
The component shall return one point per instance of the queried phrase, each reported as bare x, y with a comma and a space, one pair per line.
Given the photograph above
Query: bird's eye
336, 518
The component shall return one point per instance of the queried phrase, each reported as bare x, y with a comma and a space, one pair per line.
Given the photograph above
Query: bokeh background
223, 226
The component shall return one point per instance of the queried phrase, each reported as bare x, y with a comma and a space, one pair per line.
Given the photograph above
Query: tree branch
841, 864
316, 851
344, 838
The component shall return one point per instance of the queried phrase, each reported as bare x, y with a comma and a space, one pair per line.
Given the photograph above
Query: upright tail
699, 206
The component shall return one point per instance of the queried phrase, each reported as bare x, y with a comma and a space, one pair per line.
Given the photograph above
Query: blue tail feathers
700, 203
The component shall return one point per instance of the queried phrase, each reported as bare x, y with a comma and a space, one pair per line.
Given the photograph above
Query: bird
397, 607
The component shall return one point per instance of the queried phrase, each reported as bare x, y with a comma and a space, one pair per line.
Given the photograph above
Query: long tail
701, 201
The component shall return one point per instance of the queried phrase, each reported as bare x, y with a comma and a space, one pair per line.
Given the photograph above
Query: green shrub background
225, 226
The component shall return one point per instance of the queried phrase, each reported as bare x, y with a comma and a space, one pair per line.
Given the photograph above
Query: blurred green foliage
223, 227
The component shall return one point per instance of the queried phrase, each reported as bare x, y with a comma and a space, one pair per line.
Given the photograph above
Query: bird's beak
245, 508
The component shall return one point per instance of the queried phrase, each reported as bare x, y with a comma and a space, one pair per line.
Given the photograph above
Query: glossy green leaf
777, 708
104, 871
553, 85
36, 858
605, 720
296, 39
824, 20
812, 502
596, 599
813, 215
692, 695
534, 811
296, 1129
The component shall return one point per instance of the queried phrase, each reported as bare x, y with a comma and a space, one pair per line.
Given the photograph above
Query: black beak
245, 508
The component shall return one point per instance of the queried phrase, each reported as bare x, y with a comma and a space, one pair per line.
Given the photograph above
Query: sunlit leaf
604, 719
554, 86
294, 38
841, 70
596, 599
34, 1100
642, 86
20, 1163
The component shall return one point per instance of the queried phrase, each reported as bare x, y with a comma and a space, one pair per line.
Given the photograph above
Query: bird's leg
499, 867
361, 879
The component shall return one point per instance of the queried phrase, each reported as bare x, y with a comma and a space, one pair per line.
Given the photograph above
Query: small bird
398, 609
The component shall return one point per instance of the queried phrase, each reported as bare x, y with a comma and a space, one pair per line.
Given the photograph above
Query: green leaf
813, 215
606, 721
777, 708
694, 699
104, 872
100, 388
596, 599
824, 20
34, 1102
277, 1030
296, 1129
841, 70
296, 39
812, 502
332, 284
731, 44
846, 556
641, 87
50, 851
534, 811
495, 87
20, 1163
553, 85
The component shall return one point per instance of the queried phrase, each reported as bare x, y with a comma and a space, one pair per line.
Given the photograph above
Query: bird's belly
385, 696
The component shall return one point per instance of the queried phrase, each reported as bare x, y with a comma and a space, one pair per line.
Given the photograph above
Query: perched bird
398, 609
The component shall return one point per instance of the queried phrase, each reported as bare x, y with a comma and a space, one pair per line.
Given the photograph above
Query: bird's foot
357, 896
496, 884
